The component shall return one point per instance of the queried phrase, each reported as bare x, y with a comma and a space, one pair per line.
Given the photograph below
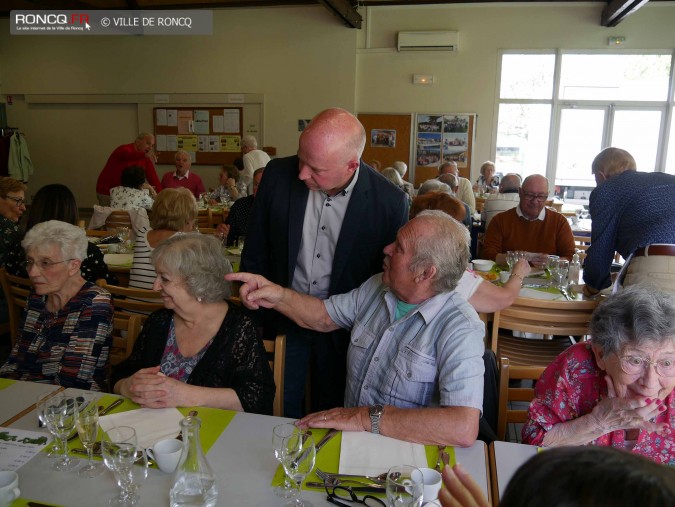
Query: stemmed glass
130, 479
279, 434
298, 455
118, 447
87, 428
561, 273
403, 490
55, 447
511, 259
59, 413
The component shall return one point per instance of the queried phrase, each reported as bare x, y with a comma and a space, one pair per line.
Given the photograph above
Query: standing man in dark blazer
320, 222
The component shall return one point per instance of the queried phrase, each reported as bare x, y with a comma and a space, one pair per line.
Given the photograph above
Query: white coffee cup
9, 488
504, 276
432, 483
166, 454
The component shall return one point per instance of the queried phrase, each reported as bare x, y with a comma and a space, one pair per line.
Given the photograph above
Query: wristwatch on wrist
375, 412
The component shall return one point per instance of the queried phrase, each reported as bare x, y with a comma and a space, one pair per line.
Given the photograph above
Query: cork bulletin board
212, 135
387, 139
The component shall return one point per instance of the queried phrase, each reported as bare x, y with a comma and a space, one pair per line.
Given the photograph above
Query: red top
192, 182
125, 156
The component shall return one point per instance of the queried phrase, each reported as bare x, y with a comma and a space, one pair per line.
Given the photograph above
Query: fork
441, 450
325, 476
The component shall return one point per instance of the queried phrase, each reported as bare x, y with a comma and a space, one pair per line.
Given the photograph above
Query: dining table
238, 448
505, 459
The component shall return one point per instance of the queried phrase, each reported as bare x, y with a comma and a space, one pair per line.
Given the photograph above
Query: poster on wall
383, 138
441, 138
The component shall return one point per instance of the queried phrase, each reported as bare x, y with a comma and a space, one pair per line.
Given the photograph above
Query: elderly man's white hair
250, 142
434, 186
401, 167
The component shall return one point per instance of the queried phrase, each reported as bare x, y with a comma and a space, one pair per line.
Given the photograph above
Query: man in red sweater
182, 176
530, 227
140, 153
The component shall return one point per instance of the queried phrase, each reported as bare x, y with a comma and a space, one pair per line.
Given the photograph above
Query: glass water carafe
194, 483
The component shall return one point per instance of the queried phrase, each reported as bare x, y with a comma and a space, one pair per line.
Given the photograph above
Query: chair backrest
204, 219
16, 290
130, 301
276, 352
509, 394
125, 332
95, 233
118, 218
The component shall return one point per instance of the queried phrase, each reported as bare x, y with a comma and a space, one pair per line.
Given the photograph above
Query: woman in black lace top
57, 202
198, 350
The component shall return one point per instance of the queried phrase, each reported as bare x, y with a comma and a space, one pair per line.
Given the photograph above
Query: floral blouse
130, 198
570, 387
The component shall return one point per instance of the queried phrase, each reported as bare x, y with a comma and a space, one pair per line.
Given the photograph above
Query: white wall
301, 59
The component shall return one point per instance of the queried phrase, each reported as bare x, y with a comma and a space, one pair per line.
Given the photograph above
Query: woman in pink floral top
617, 389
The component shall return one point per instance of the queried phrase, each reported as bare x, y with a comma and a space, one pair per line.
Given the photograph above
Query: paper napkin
365, 453
151, 424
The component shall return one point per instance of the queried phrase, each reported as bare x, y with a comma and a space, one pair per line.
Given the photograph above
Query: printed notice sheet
17, 446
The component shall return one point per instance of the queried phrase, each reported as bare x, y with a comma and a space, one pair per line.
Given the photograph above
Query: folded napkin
365, 453
125, 259
151, 424
539, 294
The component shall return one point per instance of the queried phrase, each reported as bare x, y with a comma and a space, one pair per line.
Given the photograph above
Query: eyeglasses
340, 494
635, 365
532, 197
17, 200
42, 265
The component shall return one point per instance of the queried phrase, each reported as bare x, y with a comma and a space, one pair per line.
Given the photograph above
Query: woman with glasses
617, 389
12, 206
66, 334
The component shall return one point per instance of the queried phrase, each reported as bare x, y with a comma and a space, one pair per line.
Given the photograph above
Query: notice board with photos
387, 139
211, 135
441, 138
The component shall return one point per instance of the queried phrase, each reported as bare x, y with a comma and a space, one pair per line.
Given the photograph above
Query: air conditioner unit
428, 41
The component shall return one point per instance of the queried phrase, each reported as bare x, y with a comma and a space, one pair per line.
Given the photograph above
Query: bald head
448, 168
337, 129
611, 162
509, 184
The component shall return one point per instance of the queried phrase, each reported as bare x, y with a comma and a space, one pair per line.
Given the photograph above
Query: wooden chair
276, 350
95, 233
205, 219
207, 230
508, 372
16, 290
557, 320
130, 301
125, 332
117, 219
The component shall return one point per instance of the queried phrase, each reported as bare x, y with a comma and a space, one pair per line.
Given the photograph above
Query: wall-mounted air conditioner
428, 41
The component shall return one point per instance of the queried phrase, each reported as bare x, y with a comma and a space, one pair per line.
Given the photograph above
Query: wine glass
551, 265
279, 433
87, 428
561, 273
298, 455
118, 447
403, 490
130, 479
55, 447
511, 259
59, 413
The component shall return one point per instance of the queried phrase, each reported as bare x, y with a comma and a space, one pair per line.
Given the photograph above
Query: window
555, 125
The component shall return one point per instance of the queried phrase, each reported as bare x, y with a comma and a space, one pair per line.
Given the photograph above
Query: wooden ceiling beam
618, 10
343, 10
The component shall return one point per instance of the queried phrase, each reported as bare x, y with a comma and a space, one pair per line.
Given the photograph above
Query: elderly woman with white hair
199, 349
66, 334
393, 175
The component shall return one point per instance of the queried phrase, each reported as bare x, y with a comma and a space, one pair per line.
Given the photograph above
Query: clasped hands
150, 388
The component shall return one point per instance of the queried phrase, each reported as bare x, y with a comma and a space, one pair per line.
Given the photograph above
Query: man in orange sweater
530, 227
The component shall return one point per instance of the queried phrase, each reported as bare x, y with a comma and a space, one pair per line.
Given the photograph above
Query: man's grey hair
143, 135
250, 142
183, 152
451, 163
199, 261
636, 316
70, 239
449, 179
446, 247
401, 167
509, 182
612, 162
434, 186
392, 175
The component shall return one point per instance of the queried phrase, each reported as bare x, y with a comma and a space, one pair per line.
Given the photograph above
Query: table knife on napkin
331, 433
110, 407
356, 489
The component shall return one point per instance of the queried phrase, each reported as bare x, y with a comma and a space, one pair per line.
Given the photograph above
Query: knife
331, 433
112, 406
358, 489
